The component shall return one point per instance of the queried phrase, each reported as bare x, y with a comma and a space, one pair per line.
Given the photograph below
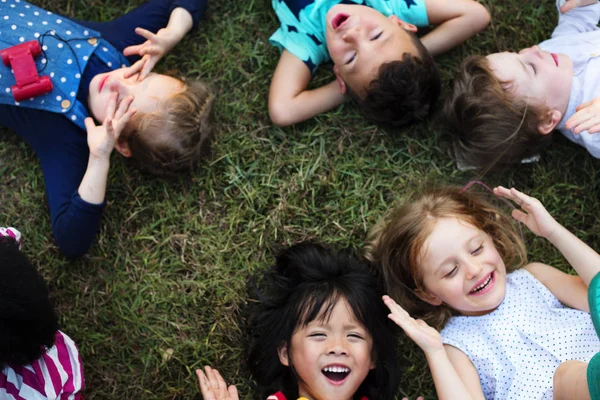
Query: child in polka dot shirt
452, 263
160, 121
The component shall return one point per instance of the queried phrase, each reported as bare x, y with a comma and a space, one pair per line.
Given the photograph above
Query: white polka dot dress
518, 346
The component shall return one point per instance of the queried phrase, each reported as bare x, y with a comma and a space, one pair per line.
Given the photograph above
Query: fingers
571, 4
149, 63
123, 107
145, 33
205, 388
519, 215
133, 69
133, 50
110, 108
89, 123
233, 393
521, 199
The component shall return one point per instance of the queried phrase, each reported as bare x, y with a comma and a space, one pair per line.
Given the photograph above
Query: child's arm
101, 142
454, 375
159, 44
213, 385
584, 260
456, 20
568, 289
289, 100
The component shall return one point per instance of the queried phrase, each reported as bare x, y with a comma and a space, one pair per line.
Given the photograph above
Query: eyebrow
524, 67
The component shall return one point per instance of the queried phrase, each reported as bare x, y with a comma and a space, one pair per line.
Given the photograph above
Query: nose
351, 34
121, 85
337, 347
533, 50
473, 269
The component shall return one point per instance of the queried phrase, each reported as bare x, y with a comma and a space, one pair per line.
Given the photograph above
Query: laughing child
378, 60
505, 106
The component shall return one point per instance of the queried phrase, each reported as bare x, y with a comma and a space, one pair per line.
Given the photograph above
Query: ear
339, 79
282, 351
373, 362
122, 146
404, 25
428, 297
549, 122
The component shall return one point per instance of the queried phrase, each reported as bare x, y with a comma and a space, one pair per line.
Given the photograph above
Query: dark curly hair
304, 284
28, 322
405, 90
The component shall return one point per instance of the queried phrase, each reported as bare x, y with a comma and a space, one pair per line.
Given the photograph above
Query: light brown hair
176, 137
395, 244
489, 128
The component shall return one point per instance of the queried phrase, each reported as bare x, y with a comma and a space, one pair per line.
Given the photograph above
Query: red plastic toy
20, 59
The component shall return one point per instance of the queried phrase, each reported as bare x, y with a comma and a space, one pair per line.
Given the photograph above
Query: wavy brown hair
395, 244
490, 128
178, 136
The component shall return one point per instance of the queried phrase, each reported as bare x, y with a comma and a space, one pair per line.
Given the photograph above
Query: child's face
462, 268
331, 357
543, 78
360, 39
148, 94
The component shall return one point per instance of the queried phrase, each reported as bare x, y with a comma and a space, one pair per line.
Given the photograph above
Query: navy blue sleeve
63, 153
152, 15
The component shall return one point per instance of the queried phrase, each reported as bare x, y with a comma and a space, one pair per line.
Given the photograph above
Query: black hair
304, 284
404, 92
28, 322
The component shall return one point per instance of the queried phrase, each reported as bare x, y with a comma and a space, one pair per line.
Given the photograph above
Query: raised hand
101, 139
213, 386
587, 117
533, 213
426, 337
571, 4
153, 49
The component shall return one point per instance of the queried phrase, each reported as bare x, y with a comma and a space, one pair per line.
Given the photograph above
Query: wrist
99, 160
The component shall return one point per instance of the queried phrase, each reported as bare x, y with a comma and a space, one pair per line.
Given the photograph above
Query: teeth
336, 369
484, 284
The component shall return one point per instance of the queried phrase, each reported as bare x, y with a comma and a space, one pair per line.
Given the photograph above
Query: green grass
158, 294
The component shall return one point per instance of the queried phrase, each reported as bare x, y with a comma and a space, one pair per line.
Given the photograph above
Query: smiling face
360, 39
461, 267
331, 356
148, 94
543, 78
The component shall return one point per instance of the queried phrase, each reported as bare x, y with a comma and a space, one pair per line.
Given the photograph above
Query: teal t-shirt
302, 30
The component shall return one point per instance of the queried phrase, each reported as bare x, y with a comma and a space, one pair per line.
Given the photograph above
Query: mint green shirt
302, 30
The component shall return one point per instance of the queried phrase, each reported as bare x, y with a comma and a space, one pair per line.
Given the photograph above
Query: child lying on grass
320, 332
37, 361
505, 106
490, 324
378, 60
159, 121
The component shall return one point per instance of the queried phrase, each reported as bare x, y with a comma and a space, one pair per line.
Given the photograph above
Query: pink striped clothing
58, 374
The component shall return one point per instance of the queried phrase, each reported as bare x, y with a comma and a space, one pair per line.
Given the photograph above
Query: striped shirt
58, 374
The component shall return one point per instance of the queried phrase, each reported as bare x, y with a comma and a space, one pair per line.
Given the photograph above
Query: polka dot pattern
518, 346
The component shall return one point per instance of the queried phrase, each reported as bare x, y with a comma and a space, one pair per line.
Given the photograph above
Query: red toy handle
20, 59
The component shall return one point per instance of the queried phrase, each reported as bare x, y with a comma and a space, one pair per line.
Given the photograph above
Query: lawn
159, 293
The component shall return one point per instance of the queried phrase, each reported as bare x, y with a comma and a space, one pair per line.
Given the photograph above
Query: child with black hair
37, 360
320, 332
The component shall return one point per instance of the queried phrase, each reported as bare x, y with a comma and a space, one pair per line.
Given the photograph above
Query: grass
158, 294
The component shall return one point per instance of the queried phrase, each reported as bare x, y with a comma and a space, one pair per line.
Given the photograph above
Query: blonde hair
395, 244
176, 137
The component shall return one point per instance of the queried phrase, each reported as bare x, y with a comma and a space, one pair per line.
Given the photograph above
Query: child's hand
571, 4
534, 215
213, 385
427, 338
152, 50
101, 139
587, 117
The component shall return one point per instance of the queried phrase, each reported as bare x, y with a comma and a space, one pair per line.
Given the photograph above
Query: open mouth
335, 373
555, 57
483, 286
339, 20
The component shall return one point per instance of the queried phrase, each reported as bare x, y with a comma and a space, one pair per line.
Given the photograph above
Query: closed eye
477, 250
452, 273
351, 59
317, 334
533, 68
377, 36
355, 335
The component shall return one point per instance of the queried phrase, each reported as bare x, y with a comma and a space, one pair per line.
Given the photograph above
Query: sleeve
578, 20
12, 233
412, 11
62, 149
298, 37
195, 7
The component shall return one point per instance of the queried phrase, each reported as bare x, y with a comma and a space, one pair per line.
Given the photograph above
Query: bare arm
456, 20
289, 100
568, 289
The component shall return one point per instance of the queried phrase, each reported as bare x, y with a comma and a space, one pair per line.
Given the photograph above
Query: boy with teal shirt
377, 58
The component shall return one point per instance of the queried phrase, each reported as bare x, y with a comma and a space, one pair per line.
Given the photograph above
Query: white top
578, 36
517, 347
